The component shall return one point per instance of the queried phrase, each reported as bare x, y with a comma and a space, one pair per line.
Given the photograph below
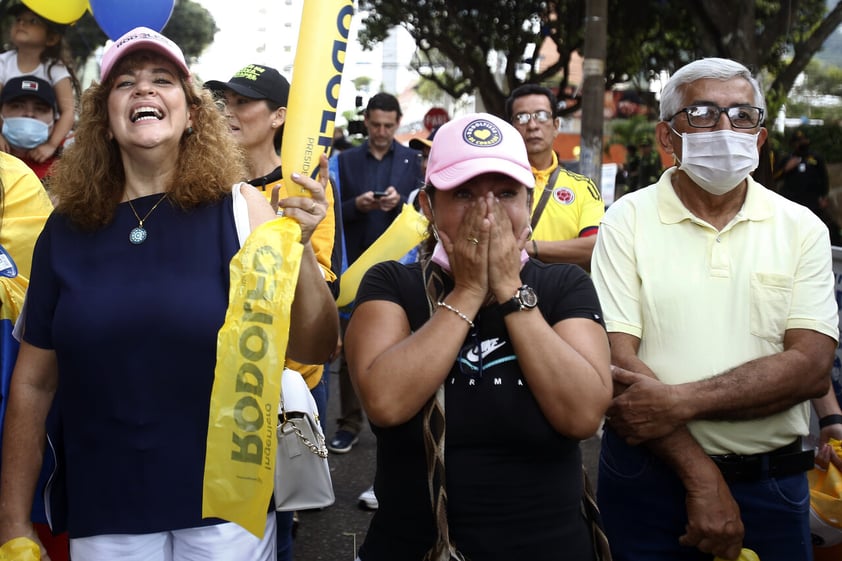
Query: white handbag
302, 473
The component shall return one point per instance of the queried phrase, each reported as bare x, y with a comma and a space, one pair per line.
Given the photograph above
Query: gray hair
717, 68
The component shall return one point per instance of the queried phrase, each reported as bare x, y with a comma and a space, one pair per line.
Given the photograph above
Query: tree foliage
487, 46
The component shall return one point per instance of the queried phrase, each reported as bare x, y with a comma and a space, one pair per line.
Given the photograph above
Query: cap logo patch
250, 72
29, 85
482, 133
142, 35
564, 196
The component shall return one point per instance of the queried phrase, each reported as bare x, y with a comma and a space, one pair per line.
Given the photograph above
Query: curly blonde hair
88, 180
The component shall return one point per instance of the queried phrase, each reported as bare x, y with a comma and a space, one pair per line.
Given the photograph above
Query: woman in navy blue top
129, 289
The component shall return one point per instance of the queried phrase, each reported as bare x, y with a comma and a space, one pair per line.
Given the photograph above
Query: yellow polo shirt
703, 301
574, 208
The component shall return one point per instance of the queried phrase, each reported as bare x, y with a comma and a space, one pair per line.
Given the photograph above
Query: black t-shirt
514, 484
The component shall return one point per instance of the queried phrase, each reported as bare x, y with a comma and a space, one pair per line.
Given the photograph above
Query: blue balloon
117, 17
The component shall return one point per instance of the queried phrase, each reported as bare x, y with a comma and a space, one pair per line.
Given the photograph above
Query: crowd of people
695, 320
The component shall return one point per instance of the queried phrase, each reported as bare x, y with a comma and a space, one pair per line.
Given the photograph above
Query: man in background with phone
374, 181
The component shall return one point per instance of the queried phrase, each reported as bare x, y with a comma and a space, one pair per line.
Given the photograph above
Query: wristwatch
524, 299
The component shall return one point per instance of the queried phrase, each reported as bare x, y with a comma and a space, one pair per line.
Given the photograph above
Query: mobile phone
378, 194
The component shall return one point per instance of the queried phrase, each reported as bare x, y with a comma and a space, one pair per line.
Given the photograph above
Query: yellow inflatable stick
314, 92
404, 233
250, 351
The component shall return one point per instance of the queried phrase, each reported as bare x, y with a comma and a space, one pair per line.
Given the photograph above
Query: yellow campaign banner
404, 233
250, 351
314, 92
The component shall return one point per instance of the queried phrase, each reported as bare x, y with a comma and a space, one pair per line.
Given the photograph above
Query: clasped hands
484, 253
646, 409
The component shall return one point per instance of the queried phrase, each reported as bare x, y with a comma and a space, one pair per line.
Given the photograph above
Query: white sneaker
368, 500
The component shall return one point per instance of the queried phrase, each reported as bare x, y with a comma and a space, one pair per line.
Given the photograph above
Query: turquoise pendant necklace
138, 234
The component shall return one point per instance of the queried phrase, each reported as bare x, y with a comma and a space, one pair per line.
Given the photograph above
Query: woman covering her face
480, 364
130, 285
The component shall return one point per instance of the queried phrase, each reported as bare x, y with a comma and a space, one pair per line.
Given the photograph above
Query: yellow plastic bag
20, 549
251, 345
404, 233
826, 501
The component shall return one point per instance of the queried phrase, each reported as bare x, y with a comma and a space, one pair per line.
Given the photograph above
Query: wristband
461, 315
828, 420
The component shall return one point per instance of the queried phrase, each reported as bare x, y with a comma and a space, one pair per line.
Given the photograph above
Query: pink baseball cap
141, 39
475, 144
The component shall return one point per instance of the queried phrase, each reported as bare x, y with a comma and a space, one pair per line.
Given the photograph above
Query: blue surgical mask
25, 132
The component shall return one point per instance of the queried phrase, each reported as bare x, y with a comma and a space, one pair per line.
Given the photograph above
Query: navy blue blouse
134, 330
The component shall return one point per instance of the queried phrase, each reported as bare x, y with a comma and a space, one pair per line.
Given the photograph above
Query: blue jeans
284, 523
642, 503
320, 395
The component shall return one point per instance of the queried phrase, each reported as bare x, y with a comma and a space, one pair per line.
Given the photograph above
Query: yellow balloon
64, 11
314, 92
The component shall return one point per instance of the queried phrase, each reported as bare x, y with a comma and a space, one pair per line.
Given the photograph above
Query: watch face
528, 298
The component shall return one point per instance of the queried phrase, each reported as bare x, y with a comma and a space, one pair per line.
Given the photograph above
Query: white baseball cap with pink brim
141, 39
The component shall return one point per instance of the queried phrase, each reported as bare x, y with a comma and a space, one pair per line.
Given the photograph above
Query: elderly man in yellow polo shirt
567, 207
719, 301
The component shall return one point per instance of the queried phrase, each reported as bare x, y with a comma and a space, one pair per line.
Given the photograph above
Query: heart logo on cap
482, 133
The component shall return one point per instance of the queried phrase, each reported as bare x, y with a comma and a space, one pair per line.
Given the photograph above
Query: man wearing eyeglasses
718, 296
566, 207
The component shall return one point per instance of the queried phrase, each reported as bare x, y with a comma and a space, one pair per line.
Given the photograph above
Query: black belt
789, 460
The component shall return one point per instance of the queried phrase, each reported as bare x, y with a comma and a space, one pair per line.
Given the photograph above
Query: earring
529, 237
274, 125
189, 131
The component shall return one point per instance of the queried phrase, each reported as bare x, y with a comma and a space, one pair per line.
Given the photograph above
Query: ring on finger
473, 240
312, 206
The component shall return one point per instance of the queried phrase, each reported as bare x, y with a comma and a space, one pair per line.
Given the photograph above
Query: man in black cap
28, 109
804, 180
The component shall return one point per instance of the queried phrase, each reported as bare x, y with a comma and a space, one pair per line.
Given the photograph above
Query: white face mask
717, 161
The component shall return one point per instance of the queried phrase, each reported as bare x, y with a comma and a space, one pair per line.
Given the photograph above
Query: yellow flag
250, 350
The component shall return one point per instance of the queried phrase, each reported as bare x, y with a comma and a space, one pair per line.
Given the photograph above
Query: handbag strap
434, 442
545, 196
602, 551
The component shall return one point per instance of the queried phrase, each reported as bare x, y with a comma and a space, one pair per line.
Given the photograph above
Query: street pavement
335, 533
